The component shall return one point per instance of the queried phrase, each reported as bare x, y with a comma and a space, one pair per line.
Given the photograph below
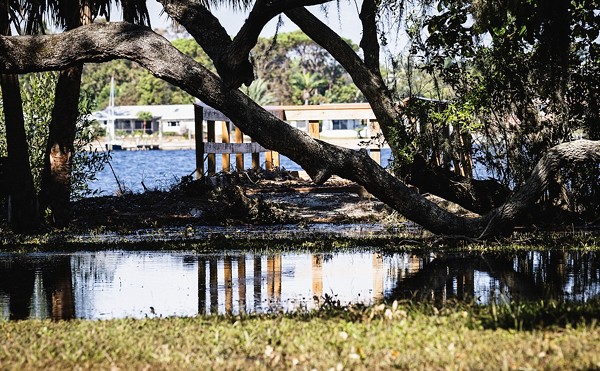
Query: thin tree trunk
23, 203
55, 192
23, 215
56, 177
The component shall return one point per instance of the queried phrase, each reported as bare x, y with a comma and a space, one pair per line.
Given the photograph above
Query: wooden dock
232, 138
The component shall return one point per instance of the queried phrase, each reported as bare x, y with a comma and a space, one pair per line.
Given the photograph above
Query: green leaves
38, 100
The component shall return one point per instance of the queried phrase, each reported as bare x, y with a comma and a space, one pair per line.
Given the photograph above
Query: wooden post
198, 122
377, 278
242, 282
257, 282
255, 160
277, 280
212, 163
375, 150
269, 160
225, 139
317, 276
276, 159
239, 158
227, 273
201, 286
313, 129
214, 285
270, 277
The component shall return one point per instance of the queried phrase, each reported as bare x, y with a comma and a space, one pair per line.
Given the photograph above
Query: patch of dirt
232, 199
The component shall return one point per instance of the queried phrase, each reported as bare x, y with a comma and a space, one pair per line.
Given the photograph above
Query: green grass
383, 337
158, 240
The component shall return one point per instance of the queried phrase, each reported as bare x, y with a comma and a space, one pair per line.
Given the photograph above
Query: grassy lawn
401, 336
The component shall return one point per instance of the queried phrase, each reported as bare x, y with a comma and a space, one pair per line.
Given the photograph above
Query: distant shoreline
179, 143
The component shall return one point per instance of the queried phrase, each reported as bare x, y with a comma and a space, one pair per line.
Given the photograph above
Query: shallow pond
115, 284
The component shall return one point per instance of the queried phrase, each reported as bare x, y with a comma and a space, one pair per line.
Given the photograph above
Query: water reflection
36, 286
117, 284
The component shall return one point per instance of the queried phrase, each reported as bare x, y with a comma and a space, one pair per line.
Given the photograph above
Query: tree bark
23, 209
55, 189
23, 202
55, 192
103, 42
230, 57
479, 196
369, 42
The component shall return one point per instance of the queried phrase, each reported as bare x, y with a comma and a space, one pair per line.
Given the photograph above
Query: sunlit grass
405, 336
214, 242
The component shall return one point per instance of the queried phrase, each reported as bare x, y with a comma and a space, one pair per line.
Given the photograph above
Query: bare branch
370, 82
369, 42
201, 24
231, 57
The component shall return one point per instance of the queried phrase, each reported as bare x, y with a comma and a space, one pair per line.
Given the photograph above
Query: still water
163, 169
116, 284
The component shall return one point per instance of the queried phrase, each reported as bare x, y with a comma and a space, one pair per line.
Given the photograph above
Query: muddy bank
284, 200
261, 207
242, 207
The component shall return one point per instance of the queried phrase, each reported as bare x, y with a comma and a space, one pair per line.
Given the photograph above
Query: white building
177, 119
336, 120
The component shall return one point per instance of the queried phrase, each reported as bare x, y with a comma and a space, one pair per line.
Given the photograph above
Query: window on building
340, 124
172, 124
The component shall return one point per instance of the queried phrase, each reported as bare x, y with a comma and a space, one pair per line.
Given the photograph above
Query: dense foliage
523, 78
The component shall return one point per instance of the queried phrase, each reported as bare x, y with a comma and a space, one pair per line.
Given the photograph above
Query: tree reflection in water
37, 286
127, 284
524, 276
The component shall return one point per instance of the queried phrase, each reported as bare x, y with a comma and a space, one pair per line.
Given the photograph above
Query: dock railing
227, 147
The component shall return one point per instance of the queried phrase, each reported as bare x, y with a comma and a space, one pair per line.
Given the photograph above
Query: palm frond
135, 11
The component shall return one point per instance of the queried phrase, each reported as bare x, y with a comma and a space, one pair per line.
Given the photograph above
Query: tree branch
558, 157
231, 57
206, 30
103, 42
369, 42
370, 82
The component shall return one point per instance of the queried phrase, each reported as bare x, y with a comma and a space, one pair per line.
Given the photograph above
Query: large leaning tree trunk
23, 202
103, 42
231, 58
